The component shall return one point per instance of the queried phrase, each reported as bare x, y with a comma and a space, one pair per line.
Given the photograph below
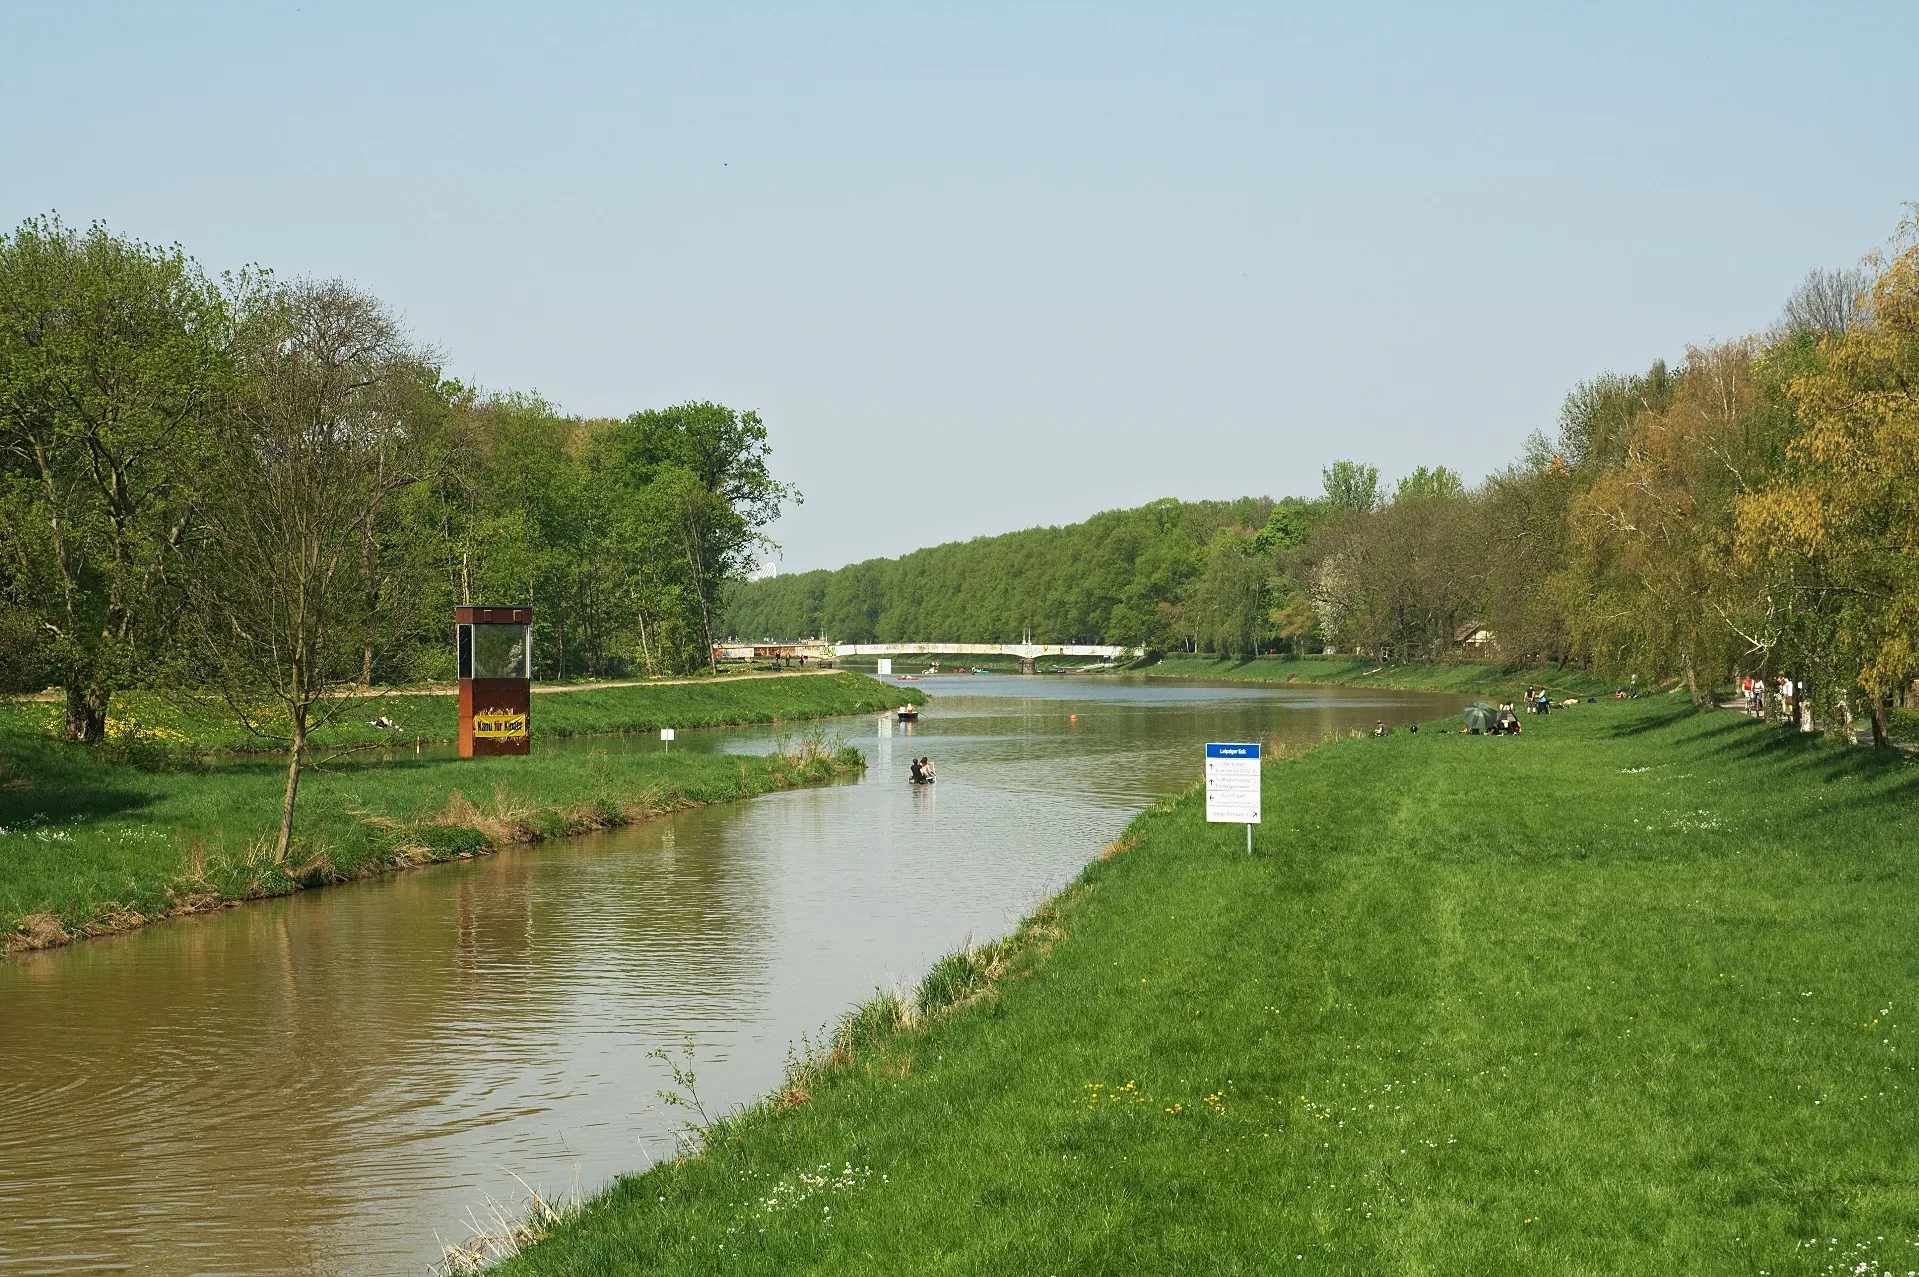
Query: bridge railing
1025, 651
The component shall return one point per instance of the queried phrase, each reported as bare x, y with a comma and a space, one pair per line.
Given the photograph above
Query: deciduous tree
1351, 486
1647, 589
1848, 497
315, 441
699, 473
111, 353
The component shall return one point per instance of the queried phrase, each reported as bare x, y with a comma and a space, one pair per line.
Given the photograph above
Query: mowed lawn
1632, 993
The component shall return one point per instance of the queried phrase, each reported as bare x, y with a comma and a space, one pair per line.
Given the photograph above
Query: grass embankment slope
91, 843
1631, 993
169, 725
1472, 678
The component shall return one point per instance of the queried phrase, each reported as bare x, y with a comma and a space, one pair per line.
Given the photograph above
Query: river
332, 1082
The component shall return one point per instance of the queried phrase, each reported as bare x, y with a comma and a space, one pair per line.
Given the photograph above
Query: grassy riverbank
99, 840
1472, 678
1630, 993
147, 724
92, 847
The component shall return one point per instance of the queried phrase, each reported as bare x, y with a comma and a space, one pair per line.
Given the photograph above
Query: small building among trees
1475, 640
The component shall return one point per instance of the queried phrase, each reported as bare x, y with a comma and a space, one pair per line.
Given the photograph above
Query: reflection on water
322, 1084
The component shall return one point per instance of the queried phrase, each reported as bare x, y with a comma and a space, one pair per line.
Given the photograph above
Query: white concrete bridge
1028, 653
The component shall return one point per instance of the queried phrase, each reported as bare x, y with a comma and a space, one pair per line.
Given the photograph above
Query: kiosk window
497, 651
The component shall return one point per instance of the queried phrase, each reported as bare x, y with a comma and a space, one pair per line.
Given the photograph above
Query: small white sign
886, 667
1232, 783
666, 733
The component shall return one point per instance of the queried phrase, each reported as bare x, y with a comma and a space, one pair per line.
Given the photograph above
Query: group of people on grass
1755, 691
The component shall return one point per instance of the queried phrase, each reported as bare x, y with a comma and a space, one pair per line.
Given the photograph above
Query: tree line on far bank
1753, 510
266, 491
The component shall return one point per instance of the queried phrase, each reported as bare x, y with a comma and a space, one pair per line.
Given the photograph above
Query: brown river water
334, 1082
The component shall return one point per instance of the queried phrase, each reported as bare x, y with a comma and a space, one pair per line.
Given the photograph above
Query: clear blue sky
987, 266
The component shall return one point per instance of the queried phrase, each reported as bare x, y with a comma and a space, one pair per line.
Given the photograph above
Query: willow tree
315, 441
111, 355
1228, 605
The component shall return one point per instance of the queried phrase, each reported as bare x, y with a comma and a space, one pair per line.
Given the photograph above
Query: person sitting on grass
1380, 728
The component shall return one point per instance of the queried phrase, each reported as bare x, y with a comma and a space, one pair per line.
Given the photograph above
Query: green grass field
95, 840
1469, 677
148, 724
1631, 993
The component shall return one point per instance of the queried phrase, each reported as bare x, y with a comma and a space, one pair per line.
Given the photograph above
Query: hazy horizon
1010, 266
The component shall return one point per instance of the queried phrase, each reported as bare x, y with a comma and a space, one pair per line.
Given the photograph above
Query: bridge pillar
1028, 665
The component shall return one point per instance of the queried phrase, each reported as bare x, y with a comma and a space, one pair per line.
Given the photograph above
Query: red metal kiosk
495, 647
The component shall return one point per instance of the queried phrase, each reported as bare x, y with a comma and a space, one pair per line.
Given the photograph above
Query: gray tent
1479, 717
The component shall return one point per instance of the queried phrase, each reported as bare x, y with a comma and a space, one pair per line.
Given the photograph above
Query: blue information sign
1232, 782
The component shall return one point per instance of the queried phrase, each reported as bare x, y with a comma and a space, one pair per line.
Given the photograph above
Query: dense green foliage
110, 369
1752, 512
1631, 993
159, 431
96, 839
1116, 578
268, 492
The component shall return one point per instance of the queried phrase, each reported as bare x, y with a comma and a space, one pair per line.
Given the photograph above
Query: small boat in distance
908, 714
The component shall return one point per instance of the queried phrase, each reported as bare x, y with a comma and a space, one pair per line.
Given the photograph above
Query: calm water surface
330, 1083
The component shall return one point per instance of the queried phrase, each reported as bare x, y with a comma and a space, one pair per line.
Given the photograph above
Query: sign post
666, 739
1232, 786
886, 667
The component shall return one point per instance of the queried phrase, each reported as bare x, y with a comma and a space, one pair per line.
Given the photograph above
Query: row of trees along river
265, 491
1754, 509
